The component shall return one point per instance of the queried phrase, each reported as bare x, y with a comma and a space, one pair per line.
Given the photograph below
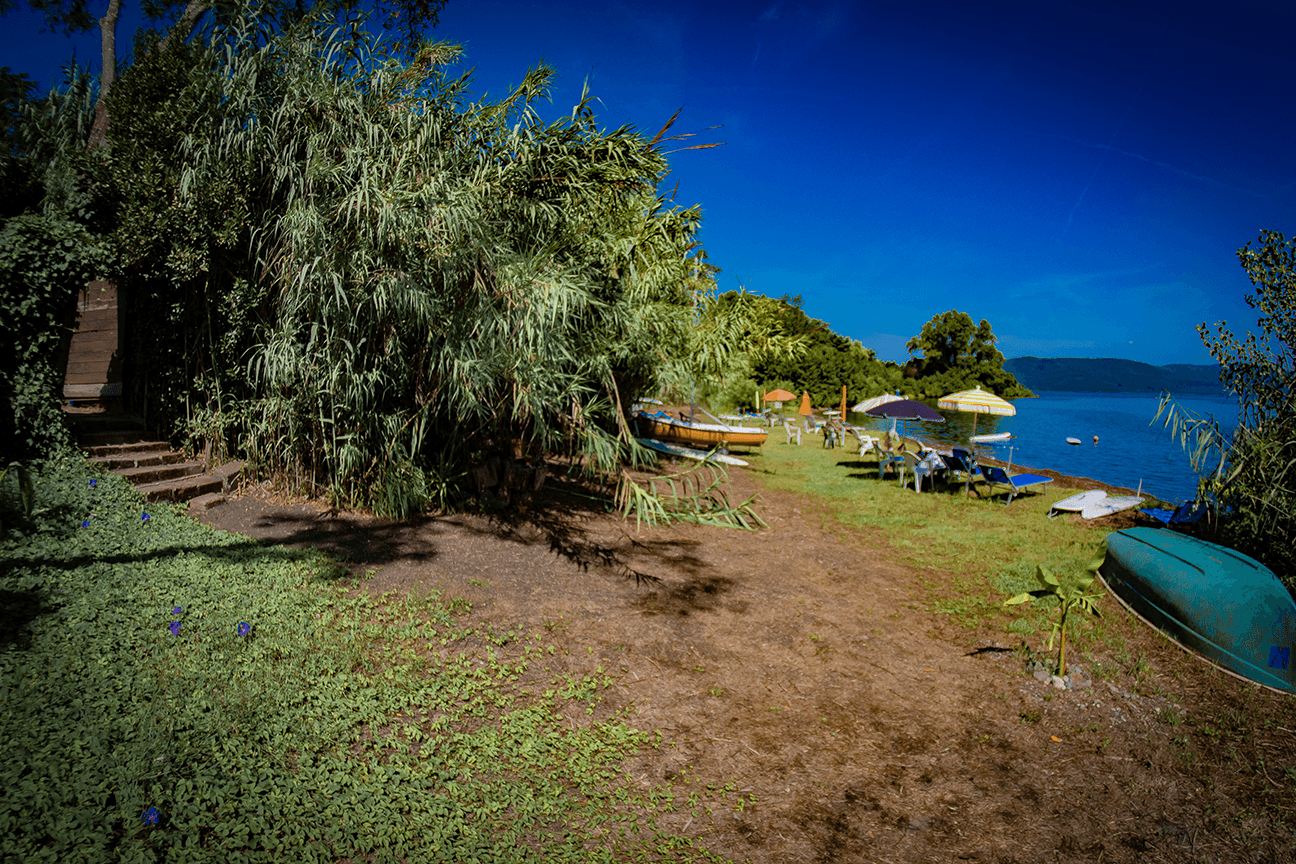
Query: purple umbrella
905, 409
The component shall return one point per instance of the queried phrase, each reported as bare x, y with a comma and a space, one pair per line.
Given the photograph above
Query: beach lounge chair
1187, 513
999, 477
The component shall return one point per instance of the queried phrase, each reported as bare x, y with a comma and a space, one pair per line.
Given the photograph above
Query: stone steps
124, 448
182, 488
136, 458
120, 444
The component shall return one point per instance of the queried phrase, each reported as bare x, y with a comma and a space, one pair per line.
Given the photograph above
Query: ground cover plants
171, 690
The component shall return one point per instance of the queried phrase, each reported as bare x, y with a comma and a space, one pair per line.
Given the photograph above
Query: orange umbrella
805, 404
779, 396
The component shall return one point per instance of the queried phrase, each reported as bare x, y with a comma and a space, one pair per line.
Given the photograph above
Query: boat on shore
1095, 503
689, 453
662, 427
1225, 606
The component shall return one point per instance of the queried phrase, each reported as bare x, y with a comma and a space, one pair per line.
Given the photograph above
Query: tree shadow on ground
349, 538
18, 609
558, 517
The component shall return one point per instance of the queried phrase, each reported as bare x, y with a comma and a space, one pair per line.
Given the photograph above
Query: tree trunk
108, 59
185, 25
108, 43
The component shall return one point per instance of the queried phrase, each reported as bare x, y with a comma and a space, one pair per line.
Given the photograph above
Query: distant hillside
1112, 375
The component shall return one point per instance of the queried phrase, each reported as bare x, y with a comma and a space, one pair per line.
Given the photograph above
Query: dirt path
801, 664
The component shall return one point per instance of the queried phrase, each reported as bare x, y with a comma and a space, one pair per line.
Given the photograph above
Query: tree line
787, 348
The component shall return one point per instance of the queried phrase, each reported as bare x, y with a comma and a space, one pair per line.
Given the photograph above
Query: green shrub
1250, 477
44, 261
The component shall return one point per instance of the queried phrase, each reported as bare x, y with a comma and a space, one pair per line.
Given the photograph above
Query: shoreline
1070, 481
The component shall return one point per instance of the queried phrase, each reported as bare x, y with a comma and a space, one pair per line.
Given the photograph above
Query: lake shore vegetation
1249, 478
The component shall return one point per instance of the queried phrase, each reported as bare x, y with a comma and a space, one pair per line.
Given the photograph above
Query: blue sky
1080, 174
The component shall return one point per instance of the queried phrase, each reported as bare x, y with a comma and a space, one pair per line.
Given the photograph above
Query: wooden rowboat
699, 434
1221, 604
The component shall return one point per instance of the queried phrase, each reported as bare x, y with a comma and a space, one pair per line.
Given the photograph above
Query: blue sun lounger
999, 477
1187, 513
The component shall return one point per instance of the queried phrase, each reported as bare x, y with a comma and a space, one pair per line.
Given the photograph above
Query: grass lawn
977, 551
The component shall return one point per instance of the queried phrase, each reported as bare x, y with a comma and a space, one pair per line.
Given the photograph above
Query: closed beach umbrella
977, 401
805, 405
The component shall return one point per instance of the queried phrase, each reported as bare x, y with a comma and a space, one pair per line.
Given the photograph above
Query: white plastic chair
866, 442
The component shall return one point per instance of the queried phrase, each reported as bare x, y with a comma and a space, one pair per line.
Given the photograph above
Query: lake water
1129, 448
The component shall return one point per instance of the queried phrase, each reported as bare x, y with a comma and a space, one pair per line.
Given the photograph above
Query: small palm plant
1074, 594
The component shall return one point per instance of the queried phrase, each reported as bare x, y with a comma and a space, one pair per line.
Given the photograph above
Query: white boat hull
689, 453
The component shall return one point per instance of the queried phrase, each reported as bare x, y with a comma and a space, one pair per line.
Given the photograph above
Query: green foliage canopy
952, 353
823, 362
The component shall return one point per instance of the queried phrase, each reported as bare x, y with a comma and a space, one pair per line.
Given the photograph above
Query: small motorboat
1223, 605
993, 438
1075, 441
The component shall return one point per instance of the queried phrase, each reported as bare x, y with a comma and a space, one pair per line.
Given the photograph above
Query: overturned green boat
1227, 607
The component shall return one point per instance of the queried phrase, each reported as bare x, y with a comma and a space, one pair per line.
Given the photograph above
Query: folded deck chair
1187, 513
963, 462
999, 477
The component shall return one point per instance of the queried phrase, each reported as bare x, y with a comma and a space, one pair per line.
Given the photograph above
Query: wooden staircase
120, 443
92, 384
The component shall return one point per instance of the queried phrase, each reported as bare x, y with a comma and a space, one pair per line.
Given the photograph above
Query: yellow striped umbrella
977, 401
